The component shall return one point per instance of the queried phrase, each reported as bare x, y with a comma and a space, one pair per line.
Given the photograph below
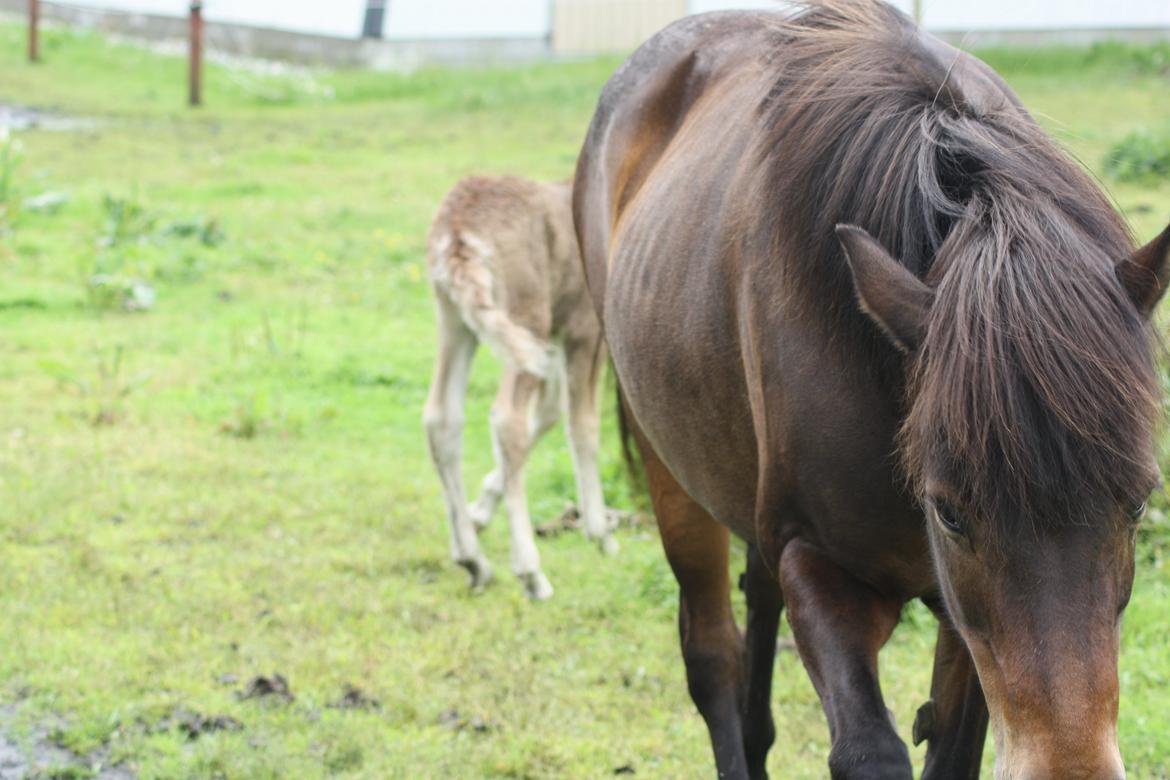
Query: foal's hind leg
544, 416
491, 490
697, 548
764, 603
510, 435
443, 420
584, 361
840, 624
954, 722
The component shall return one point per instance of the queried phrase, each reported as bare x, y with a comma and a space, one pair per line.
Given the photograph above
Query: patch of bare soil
194, 725
455, 721
274, 688
570, 520
354, 698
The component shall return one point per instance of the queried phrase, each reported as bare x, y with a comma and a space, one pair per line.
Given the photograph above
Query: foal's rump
461, 271
488, 254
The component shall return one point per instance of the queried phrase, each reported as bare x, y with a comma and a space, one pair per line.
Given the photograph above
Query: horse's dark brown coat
721, 158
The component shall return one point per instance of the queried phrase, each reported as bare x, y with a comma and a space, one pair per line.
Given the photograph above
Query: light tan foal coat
505, 270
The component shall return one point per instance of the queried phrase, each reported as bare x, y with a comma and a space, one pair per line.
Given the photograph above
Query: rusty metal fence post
195, 55
34, 18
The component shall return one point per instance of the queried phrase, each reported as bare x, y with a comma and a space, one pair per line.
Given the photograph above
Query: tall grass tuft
1143, 155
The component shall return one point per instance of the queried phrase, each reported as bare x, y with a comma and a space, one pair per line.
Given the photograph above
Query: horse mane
1034, 391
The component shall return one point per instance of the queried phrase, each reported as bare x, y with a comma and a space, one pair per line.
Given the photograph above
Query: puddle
37, 756
17, 117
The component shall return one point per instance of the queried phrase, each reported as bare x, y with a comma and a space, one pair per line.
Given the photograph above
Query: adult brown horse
867, 316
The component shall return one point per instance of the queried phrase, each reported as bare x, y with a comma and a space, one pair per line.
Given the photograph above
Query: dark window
375, 18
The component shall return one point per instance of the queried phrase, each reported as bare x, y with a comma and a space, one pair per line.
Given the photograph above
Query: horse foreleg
840, 624
764, 602
954, 721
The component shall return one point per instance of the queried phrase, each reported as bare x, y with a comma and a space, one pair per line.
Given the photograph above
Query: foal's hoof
480, 517
609, 544
603, 536
479, 573
537, 586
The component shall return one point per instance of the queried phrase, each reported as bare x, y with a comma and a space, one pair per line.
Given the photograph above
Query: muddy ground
24, 757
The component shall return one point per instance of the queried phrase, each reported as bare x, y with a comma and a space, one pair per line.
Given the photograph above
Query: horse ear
1146, 272
894, 298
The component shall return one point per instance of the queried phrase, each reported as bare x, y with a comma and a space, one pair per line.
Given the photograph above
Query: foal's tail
462, 268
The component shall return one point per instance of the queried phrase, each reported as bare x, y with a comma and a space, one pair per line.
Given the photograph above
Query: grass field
233, 482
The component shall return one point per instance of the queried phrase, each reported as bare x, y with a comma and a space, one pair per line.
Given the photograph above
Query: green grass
234, 482
1140, 156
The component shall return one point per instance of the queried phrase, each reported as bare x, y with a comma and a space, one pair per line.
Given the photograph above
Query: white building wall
447, 19
702, 6
1045, 14
481, 19
1008, 14
341, 18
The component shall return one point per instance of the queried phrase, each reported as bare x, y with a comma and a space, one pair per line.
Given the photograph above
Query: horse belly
671, 283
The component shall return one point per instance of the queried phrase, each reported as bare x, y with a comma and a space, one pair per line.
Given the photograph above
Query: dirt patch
452, 719
570, 520
194, 725
35, 755
274, 688
354, 698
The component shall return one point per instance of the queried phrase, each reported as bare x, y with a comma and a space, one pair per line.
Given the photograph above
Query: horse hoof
479, 573
537, 586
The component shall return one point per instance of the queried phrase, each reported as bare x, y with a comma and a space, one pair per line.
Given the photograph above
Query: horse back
639, 113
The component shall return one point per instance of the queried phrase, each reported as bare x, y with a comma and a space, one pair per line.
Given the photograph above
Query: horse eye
1138, 512
948, 518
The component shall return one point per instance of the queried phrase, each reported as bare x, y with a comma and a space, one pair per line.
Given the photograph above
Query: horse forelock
1034, 392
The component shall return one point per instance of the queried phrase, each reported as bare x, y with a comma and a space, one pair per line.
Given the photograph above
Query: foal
505, 269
